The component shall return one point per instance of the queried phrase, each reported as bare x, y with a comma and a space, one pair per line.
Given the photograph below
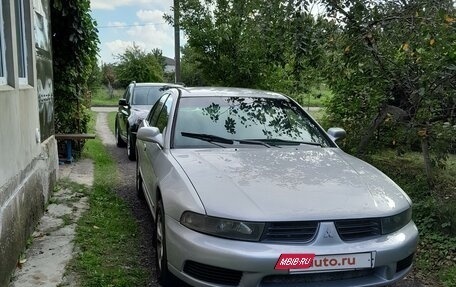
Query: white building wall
28, 165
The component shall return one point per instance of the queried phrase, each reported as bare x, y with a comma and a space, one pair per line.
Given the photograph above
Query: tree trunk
370, 130
110, 90
427, 162
397, 113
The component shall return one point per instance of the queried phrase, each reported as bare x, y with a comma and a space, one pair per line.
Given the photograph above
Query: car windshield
146, 96
219, 121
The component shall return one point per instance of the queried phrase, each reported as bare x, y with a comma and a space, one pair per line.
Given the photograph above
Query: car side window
128, 94
163, 117
156, 109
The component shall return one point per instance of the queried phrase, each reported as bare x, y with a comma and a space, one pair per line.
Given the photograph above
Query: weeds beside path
108, 235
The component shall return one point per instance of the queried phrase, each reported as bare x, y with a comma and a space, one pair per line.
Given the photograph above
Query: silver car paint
258, 259
289, 184
177, 172
160, 171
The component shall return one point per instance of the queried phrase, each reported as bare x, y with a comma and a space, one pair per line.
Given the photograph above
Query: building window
2, 48
21, 42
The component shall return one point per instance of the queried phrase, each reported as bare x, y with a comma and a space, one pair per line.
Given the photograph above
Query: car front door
157, 118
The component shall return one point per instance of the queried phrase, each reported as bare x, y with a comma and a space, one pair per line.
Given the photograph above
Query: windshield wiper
216, 139
209, 138
286, 142
254, 142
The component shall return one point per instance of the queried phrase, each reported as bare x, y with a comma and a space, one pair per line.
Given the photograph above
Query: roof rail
167, 87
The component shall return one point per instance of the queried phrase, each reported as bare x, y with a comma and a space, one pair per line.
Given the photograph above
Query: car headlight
221, 227
393, 223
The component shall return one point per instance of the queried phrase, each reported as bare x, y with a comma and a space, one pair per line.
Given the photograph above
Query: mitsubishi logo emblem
328, 233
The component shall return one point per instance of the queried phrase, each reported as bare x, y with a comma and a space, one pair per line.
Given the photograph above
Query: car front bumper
256, 260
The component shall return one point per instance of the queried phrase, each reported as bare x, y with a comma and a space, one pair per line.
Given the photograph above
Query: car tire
131, 148
164, 276
119, 141
139, 182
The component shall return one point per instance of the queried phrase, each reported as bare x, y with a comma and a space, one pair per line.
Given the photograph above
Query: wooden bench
68, 138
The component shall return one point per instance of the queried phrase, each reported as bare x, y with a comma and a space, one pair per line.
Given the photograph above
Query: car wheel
163, 274
131, 149
119, 141
139, 182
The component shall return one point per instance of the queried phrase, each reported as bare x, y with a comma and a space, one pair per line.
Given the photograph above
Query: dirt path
126, 190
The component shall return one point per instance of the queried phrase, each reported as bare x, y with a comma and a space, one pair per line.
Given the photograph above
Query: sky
124, 22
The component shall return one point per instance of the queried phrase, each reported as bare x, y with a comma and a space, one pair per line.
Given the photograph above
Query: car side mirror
337, 133
150, 134
123, 102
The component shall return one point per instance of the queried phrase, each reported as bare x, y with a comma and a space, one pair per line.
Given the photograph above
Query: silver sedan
246, 189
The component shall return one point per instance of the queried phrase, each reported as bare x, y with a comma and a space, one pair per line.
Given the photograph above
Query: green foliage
191, 72
434, 214
137, 65
449, 277
109, 76
74, 46
95, 78
256, 44
393, 72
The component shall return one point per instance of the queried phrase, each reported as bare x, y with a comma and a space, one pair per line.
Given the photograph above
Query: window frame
155, 109
3, 75
167, 108
22, 49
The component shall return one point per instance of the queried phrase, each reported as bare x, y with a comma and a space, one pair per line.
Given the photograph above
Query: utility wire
132, 25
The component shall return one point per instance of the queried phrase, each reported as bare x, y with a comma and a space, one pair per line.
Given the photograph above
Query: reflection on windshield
241, 118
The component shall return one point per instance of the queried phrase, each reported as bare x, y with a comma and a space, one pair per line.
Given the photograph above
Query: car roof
155, 84
228, 92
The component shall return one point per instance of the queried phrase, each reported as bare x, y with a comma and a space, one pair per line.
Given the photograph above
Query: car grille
356, 229
212, 274
298, 279
299, 231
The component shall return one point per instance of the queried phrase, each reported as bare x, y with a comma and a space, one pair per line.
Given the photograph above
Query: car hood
304, 183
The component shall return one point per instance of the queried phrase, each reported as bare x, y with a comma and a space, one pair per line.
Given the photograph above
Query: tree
109, 77
223, 37
74, 47
95, 78
191, 73
394, 71
137, 65
254, 43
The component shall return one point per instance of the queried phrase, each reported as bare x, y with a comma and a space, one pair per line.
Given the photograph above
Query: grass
316, 114
100, 97
433, 212
316, 97
107, 234
112, 120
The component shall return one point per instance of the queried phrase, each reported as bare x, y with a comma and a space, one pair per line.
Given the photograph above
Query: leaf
449, 19
405, 47
432, 42
422, 133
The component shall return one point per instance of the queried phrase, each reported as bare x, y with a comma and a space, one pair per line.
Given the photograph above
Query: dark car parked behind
134, 106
